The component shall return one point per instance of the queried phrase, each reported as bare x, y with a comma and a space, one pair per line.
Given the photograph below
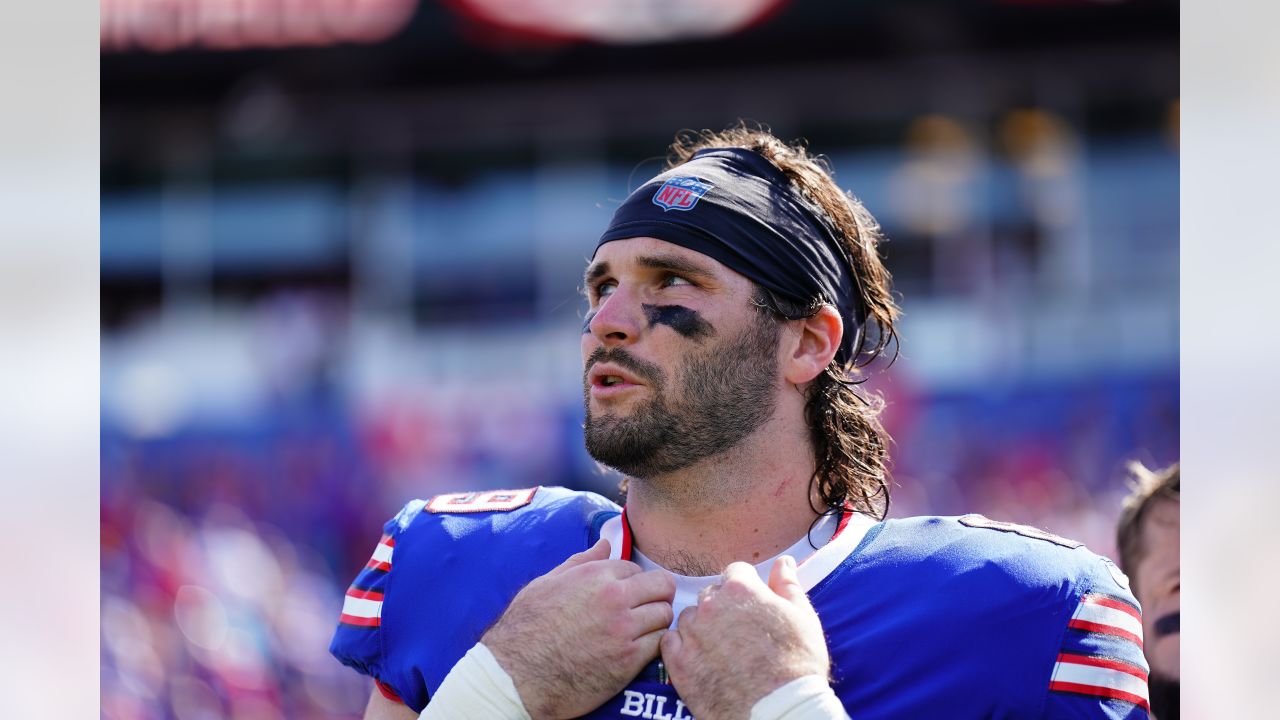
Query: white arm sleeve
806, 698
477, 687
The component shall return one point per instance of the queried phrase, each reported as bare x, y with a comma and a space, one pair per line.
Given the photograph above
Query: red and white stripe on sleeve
1090, 675
1105, 614
362, 605
381, 559
1101, 654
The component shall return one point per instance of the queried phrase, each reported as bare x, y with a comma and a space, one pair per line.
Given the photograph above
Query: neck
747, 504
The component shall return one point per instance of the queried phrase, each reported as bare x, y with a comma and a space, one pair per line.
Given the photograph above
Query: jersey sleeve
357, 641
444, 570
1100, 670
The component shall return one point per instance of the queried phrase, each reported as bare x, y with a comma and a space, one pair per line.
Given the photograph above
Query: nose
616, 320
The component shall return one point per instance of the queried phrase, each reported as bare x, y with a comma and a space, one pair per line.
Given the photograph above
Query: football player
751, 572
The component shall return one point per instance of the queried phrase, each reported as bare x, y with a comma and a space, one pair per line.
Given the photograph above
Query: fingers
739, 580
599, 551
652, 616
648, 645
651, 586
676, 638
670, 646
675, 641
707, 591
687, 617
740, 572
784, 581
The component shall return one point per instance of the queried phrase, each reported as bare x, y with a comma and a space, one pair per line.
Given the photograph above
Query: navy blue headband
736, 207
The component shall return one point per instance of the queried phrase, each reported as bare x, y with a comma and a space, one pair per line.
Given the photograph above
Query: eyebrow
595, 272
674, 263
670, 263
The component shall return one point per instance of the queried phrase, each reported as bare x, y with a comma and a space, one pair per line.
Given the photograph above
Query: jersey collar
813, 570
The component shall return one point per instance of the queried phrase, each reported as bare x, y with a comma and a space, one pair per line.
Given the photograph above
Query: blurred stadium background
341, 244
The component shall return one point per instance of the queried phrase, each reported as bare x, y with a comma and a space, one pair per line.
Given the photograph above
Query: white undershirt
687, 588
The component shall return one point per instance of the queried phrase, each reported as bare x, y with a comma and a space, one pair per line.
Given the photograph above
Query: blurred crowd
219, 590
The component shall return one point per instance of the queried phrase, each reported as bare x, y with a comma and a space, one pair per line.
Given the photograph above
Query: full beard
727, 395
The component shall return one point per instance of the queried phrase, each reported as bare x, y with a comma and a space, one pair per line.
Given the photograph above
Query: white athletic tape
476, 687
806, 698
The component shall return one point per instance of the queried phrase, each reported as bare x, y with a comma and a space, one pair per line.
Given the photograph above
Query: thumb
599, 551
669, 647
784, 582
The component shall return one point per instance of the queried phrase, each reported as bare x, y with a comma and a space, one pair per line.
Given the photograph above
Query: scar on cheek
679, 318
586, 323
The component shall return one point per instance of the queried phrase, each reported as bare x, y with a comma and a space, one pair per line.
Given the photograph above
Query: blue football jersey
929, 617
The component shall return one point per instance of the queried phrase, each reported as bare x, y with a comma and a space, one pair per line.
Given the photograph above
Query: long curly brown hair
850, 445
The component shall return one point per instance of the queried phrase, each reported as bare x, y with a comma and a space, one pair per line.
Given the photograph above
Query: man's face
1157, 586
678, 364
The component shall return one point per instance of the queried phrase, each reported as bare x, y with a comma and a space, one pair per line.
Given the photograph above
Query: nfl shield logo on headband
680, 193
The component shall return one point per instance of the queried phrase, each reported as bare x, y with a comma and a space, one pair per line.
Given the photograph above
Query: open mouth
607, 376
609, 383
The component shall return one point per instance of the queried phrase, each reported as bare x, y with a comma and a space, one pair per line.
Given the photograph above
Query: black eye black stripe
683, 320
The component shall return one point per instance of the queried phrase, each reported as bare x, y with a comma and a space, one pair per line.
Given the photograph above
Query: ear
816, 345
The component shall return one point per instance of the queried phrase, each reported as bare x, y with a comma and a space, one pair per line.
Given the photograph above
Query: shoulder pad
453, 564
1057, 619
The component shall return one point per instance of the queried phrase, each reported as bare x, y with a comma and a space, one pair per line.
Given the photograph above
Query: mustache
623, 359
1167, 624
